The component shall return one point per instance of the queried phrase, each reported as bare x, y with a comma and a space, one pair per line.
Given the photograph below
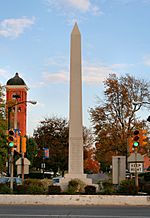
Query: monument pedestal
68, 177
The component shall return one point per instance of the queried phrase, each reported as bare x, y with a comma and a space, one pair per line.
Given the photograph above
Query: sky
35, 42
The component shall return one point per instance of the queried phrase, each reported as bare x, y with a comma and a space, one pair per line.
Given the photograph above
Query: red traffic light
10, 138
136, 138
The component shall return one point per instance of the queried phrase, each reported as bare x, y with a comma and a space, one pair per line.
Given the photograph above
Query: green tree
32, 150
114, 119
53, 134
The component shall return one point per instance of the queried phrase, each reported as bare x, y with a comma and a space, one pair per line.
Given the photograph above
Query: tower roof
16, 80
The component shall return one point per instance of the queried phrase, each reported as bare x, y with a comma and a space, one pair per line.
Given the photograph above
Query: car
3, 180
17, 180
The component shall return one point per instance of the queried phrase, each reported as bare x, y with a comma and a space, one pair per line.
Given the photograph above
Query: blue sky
35, 41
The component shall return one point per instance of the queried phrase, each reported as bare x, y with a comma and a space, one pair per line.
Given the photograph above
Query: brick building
16, 94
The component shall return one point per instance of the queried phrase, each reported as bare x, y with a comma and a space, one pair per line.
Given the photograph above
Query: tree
3, 147
114, 120
53, 134
32, 150
91, 165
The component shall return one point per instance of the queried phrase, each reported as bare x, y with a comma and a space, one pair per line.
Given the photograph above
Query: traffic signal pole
22, 159
8, 127
136, 173
12, 152
11, 168
11, 156
136, 145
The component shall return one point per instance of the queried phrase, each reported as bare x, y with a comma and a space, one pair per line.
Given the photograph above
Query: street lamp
15, 127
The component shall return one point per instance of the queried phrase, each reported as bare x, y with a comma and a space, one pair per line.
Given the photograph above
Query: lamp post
15, 127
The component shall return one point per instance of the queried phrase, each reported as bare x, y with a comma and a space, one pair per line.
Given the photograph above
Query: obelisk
75, 113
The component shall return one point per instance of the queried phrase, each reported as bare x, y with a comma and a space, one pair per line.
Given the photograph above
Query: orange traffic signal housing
130, 144
18, 143
143, 137
23, 148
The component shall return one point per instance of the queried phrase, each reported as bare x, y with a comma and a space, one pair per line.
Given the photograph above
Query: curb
74, 200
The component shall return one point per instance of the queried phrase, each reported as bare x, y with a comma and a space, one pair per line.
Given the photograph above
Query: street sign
139, 167
46, 153
137, 162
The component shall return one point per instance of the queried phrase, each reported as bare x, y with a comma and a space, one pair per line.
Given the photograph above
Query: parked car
3, 180
17, 180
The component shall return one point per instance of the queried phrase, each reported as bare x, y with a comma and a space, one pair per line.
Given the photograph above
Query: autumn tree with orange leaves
91, 165
115, 118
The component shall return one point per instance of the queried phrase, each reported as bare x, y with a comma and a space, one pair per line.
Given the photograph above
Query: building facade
16, 101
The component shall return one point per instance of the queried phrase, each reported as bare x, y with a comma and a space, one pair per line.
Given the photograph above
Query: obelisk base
83, 177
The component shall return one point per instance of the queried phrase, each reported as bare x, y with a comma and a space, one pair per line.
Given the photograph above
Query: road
26, 211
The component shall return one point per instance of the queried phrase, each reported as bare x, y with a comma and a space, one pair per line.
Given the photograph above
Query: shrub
4, 189
90, 189
146, 188
127, 187
53, 189
106, 187
20, 189
29, 182
32, 186
35, 189
75, 186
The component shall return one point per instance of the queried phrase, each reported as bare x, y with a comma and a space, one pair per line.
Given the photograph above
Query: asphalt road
73, 211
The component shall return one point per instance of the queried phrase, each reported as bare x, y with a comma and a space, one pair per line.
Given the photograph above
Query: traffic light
11, 138
23, 148
143, 137
136, 138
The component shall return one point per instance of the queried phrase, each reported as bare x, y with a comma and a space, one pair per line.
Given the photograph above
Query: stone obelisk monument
75, 113
75, 117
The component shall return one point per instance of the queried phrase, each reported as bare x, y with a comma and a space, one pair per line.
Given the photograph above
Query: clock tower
16, 100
